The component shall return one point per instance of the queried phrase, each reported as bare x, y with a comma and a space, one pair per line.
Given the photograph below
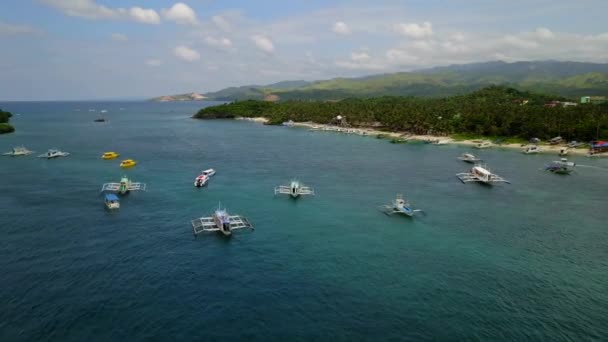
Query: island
494, 112
180, 97
4, 125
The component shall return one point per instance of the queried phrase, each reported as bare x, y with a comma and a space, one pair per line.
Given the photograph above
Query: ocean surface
520, 261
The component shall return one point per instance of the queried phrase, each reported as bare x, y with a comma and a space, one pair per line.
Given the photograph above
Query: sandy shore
545, 148
258, 119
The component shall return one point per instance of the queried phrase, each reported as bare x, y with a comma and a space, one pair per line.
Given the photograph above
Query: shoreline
440, 140
443, 140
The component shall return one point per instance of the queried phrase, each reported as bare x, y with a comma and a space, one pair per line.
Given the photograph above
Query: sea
520, 261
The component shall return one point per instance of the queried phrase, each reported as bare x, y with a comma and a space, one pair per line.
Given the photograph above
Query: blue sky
91, 49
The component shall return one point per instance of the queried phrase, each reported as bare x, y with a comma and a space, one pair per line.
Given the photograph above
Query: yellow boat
128, 163
109, 155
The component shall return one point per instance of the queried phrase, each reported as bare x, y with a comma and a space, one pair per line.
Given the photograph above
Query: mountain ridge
560, 78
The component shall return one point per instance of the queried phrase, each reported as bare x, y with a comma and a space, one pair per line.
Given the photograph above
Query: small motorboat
111, 201
532, 149
201, 181
208, 172
110, 155
562, 166
400, 206
18, 151
127, 163
469, 158
563, 151
100, 120
53, 153
485, 144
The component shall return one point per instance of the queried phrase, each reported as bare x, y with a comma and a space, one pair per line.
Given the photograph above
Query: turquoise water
525, 261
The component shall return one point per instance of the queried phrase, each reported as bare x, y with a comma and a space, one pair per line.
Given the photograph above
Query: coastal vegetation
492, 111
4, 126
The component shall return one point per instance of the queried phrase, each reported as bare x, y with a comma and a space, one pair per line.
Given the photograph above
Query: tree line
492, 111
4, 126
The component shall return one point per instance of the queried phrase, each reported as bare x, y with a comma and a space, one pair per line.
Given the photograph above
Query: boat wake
593, 167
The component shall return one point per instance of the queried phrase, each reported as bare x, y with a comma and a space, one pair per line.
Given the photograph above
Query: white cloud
221, 23
415, 30
263, 43
544, 33
84, 8
360, 56
518, 42
181, 14
146, 16
222, 43
397, 56
186, 53
153, 62
12, 29
89, 9
340, 27
119, 37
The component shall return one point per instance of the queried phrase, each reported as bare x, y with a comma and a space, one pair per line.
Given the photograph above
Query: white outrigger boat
481, 174
469, 158
295, 189
18, 151
562, 166
220, 221
400, 206
53, 153
532, 149
124, 187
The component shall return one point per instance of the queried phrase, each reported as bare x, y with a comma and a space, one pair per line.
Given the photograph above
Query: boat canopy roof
600, 144
111, 197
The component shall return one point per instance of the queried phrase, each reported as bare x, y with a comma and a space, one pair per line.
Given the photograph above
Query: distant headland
561, 78
4, 126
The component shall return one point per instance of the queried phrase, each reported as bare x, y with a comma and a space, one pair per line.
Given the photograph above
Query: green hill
569, 79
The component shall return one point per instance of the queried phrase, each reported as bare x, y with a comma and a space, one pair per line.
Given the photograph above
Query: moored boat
469, 158
128, 163
18, 151
111, 201
53, 153
201, 181
531, 149
208, 172
562, 166
110, 155
484, 144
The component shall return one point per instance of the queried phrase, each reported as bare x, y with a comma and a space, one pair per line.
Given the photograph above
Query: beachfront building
594, 99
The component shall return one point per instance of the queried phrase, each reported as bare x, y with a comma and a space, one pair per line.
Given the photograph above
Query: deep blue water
525, 261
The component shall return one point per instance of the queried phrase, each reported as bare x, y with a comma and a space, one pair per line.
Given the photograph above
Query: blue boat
111, 201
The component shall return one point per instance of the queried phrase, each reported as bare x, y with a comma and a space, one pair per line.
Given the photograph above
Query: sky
113, 49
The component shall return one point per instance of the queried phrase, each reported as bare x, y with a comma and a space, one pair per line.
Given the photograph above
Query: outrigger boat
295, 189
124, 186
400, 206
53, 153
220, 221
18, 151
469, 158
480, 174
532, 149
112, 201
562, 166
